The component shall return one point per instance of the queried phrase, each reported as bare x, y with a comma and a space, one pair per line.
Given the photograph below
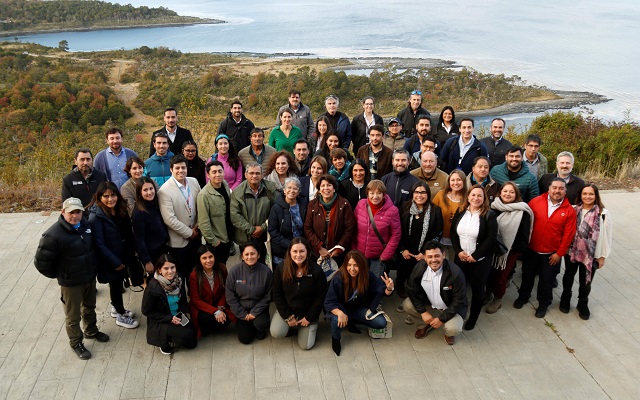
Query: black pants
405, 267
221, 252
247, 329
184, 336
186, 257
115, 292
208, 323
570, 269
538, 264
476, 274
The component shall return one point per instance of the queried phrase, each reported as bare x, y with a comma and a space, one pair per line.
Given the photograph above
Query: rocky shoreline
200, 21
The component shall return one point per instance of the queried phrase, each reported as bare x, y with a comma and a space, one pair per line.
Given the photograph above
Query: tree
63, 45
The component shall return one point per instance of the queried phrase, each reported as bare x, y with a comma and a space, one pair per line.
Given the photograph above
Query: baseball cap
72, 204
396, 120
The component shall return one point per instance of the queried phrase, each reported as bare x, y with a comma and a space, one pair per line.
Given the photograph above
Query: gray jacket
301, 118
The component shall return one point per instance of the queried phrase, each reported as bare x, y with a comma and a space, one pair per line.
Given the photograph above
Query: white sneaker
114, 313
126, 322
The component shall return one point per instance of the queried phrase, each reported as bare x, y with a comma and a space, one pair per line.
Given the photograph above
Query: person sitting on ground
299, 289
208, 305
353, 296
248, 292
164, 303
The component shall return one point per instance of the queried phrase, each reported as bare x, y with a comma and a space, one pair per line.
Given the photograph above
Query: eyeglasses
189, 150
419, 93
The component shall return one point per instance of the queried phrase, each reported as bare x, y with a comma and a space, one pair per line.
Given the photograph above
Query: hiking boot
126, 322
100, 337
82, 351
494, 306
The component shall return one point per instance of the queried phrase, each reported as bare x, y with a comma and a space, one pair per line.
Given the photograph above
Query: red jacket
203, 299
387, 221
552, 234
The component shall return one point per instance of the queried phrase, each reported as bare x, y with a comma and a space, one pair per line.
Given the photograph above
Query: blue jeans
357, 316
376, 267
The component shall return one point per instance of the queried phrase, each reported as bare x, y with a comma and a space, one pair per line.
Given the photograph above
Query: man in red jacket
554, 225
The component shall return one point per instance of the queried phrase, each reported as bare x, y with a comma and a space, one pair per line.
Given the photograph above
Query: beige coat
175, 212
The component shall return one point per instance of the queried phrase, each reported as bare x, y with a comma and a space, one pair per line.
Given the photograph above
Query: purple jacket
387, 221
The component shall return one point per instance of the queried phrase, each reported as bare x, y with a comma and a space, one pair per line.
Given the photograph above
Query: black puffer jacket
67, 253
113, 241
155, 306
280, 224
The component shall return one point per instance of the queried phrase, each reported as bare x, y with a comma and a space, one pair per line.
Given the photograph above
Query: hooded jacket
158, 168
238, 132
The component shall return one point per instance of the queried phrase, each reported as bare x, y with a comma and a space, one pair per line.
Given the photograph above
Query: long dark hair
363, 164
121, 205
293, 166
406, 206
360, 282
289, 267
598, 200
484, 209
233, 160
453, 116
140, 202
219, 269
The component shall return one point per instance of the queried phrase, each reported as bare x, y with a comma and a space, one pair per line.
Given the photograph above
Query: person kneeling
165, 305
299, 288
353, 296
209, 308
437, 294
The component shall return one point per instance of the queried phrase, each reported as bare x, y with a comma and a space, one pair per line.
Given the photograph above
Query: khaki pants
79, 302
306, 334
453, 327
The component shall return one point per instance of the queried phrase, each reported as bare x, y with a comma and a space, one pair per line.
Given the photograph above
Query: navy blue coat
280, 224
450, 155
113, 243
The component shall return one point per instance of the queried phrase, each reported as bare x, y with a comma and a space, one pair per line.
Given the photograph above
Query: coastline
200, 21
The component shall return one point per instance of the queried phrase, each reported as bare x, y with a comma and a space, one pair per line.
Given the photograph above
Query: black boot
583, 310
353, 328
335, 345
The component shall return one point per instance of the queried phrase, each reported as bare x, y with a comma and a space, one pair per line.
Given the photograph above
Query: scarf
375, 208
508, 224
341, 175
171, 287
327, 206
329, 223
583, 247
425, 221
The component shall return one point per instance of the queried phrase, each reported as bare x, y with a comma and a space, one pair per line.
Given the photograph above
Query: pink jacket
387, 221
233, 178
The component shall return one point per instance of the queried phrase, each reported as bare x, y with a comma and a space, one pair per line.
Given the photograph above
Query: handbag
499, 248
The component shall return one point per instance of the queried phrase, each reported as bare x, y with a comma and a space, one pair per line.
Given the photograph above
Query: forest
52, 102
21, 15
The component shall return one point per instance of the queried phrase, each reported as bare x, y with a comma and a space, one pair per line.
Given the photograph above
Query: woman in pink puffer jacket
387, 221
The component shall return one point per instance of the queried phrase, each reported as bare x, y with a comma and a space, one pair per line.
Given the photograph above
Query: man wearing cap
394, 138
177, 135
66, 252
409, 114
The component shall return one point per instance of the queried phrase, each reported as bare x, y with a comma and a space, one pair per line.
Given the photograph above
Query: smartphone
183, 318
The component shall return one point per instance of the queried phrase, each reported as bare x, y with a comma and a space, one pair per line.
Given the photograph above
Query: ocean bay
586, 46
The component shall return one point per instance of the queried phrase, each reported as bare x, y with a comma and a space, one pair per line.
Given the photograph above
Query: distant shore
199, 21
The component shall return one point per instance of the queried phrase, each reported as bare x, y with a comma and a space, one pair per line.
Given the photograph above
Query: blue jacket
371, 299
526, 181
343, 129
150, 232
450, 155
157, 168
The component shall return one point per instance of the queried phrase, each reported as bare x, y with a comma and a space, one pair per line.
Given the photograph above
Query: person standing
284, 136
564, 171
473, 232
66, 252
554, 227
257, 151
409, 114
400, 181
460, 151
236, 126
536, 162
590, 248
377, 156
82, 182
195, 164
214, 213
177, 198
338, 121
447, 127
301, 114
361, 123
113, 159
158, 166
496, 144
176, 134
515, 170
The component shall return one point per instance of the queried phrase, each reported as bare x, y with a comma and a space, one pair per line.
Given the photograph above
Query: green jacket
249, 211
526, 181
211, 218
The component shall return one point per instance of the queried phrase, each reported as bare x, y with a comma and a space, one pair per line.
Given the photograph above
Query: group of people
319, 230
